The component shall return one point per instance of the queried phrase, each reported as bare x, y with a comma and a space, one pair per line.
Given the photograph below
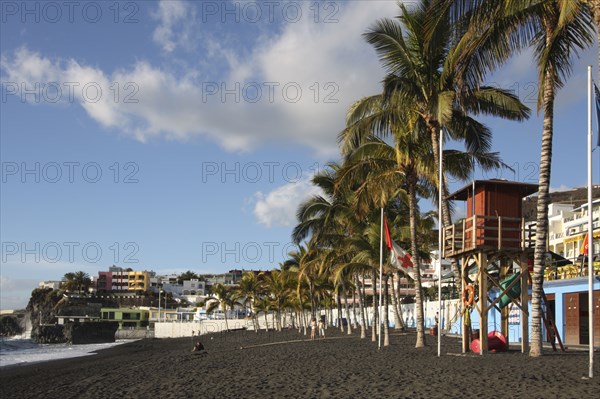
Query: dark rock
47, 334
9, 326
90, 333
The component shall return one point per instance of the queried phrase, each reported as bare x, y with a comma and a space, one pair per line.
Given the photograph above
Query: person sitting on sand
321, 328
199, 348
313, 328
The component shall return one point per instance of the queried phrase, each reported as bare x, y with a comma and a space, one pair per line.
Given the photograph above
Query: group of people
313, 328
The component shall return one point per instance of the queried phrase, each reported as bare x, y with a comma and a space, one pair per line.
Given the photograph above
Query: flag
388, 238
597, 97
400, 258
584, 246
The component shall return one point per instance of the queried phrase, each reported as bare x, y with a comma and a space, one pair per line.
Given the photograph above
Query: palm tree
408, 165
79, 281
413, 51
328, 219
279, 286
248, 290
302, 261
263, 305
386, 165
224, 299
557, 30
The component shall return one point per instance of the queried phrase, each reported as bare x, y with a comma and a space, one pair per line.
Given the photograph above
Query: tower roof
493, 184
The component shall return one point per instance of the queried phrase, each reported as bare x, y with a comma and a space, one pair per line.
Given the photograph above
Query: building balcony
569, 271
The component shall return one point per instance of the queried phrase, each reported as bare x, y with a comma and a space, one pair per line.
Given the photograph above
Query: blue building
567, 307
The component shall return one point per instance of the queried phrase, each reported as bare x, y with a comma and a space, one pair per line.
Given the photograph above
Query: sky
173, 136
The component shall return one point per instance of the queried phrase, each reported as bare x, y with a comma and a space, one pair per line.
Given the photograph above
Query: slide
496, 343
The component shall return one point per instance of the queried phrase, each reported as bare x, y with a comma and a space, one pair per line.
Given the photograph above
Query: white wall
177, 329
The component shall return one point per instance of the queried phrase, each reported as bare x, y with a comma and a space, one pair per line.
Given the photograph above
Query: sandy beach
261, 365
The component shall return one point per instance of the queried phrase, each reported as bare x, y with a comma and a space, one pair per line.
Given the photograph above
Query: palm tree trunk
386, 321
398, 323
301, 314
354, 309
434, 130
348, 327
278, 318
412, 199
374, 322
339, 309
361, 307
542, 216
252, 316
364, 301
304, 321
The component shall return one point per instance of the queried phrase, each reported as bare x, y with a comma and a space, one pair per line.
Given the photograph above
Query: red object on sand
496, 343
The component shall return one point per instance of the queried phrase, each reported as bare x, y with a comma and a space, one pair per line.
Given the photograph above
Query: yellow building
138, 281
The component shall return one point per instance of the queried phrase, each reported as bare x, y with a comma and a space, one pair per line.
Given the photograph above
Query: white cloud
174, 17
304, 79
278, 207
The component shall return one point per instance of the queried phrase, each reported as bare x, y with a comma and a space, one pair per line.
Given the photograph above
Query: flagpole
590, 230
440, 229
380, 278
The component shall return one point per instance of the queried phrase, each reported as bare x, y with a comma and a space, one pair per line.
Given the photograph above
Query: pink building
104, 282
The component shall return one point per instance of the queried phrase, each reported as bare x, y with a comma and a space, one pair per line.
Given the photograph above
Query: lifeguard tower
492, 246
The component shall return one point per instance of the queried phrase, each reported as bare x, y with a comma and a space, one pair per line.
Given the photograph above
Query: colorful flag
400, 258
584, 246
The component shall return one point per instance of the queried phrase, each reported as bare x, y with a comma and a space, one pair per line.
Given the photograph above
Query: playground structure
493, 246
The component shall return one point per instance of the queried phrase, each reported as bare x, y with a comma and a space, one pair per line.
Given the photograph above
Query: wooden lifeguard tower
491, 245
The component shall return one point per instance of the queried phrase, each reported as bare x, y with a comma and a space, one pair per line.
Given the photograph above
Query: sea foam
25, 351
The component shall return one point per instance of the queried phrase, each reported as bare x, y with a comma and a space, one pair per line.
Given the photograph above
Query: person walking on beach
313, 329
321, 328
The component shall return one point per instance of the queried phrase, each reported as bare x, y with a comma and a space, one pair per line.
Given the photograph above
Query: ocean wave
26, 351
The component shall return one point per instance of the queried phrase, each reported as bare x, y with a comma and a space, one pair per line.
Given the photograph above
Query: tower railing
488, 232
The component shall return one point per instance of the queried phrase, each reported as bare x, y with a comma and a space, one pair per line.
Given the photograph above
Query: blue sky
173, 135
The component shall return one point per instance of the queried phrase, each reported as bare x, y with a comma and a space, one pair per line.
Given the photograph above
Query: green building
126, 317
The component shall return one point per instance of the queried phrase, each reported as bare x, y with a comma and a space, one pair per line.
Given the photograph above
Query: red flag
584, 246
388, 238
400, 258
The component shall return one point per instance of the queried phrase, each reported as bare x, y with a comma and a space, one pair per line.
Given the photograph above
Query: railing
569, 271
490, 232
556, 236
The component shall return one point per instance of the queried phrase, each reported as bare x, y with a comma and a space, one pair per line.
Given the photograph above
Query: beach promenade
285, 364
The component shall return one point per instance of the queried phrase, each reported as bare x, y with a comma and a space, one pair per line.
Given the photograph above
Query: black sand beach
339, 366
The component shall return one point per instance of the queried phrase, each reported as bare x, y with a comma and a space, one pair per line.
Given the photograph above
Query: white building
49, 284
568, 226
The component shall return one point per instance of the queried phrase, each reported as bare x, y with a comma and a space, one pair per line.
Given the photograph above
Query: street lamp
159, 292
165, 312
